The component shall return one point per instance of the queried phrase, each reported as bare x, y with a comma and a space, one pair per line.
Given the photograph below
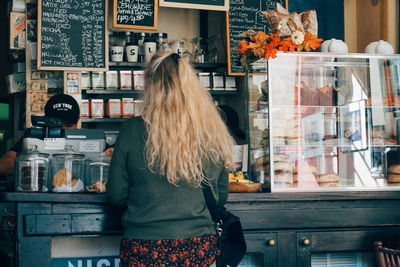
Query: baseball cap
64, 107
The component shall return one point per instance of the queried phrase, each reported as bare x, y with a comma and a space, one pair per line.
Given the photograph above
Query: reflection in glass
324, 122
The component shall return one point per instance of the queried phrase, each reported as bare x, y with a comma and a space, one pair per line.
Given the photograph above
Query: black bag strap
210, 202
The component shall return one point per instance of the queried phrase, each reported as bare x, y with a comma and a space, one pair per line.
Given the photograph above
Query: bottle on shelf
161, 39
132, 49
117, 47
140, 39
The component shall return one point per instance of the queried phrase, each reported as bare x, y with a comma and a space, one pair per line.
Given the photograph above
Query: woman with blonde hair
158, 164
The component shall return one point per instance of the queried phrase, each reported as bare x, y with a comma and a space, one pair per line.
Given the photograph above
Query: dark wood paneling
74, 224
317, 218
81, 208
334, 241
47, 224
34, 252
287, 249
96, 223
249, 199
257, 243
303, 250
54, 197
394, 238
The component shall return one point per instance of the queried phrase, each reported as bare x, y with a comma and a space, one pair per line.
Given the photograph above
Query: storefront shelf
103, 120
140, 65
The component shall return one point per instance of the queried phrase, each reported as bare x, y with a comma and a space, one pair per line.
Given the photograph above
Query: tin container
97, 108
111, 80
114, 108
138, 79
125, 80
128, 107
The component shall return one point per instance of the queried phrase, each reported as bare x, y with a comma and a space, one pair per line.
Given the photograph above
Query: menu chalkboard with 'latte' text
72, 35
135, 14
244, 15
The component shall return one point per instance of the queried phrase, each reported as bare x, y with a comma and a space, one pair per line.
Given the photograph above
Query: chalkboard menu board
135, 14
328, 26
72, 35
222, 5
242, 16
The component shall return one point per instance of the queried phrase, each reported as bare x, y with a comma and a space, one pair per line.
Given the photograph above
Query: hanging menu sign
72, 35
242, 16
135, 14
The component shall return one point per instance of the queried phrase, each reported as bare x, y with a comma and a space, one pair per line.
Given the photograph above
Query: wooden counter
285, 228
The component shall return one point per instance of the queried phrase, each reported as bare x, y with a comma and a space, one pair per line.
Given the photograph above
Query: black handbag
231, 240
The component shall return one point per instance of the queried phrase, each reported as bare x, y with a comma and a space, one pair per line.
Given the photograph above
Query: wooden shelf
139, 92
223, 92
103, 120
140, 65
113, 92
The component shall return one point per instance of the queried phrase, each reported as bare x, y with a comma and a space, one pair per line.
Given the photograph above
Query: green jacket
157, 209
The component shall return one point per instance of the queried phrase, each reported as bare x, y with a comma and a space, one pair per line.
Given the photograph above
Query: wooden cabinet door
393, 238
335, 241
263, 247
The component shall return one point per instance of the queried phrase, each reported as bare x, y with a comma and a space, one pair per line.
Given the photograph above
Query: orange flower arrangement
262, 45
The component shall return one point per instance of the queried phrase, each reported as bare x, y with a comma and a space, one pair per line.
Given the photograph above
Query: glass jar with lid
68, 170
31, 172
141, 36
160, 38
97, 173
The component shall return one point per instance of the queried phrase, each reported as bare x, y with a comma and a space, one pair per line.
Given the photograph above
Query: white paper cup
149, 50
117, 53
132, 52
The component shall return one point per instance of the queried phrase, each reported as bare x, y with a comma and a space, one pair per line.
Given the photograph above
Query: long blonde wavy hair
184, 127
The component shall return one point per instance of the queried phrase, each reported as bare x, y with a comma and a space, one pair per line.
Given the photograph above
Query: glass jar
97, 173
140, 39
68, 170
31, 172
112, 38
160, 38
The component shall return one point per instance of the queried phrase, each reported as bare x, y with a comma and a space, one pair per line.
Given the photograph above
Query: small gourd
334, 46
379, 47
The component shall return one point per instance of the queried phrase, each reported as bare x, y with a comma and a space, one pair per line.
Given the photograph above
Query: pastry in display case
97, 170
327, 122
68, 171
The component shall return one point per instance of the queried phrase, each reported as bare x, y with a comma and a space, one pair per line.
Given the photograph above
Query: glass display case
325, 122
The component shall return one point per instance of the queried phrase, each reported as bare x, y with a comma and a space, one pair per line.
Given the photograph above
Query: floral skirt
197, 251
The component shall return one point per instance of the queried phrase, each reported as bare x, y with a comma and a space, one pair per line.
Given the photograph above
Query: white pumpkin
379, 47
334, 46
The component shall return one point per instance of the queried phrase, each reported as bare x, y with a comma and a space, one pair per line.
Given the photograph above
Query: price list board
244, 15
72, 35
135, 14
